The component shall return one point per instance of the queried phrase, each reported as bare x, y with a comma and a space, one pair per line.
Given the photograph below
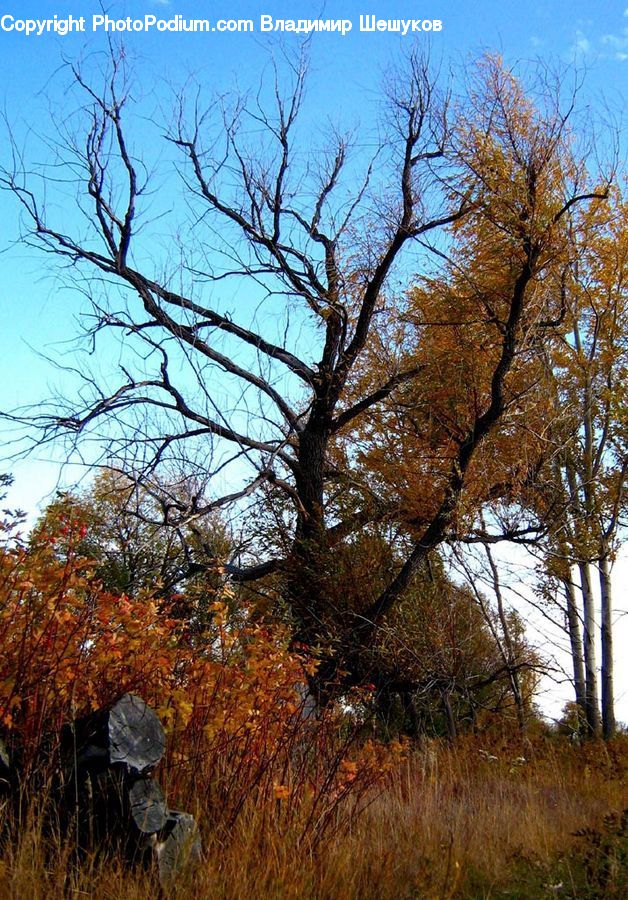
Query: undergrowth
288, 805
537, 821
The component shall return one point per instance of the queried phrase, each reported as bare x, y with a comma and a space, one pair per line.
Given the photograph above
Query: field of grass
501, 819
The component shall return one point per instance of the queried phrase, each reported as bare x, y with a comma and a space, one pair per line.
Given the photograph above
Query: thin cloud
617, 43
581, 46
608, 46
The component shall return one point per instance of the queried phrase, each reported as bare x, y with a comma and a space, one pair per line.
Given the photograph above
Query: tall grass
449, 822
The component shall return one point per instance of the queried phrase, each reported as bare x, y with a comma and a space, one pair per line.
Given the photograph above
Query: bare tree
500, 627
316, 243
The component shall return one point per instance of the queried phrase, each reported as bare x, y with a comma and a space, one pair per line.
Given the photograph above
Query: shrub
230, 697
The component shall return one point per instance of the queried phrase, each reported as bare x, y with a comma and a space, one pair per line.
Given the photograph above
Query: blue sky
36, 313
346, 75
594, 31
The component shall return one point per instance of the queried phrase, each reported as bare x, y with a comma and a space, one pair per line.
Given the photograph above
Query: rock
128, 733
147, 806
177, 847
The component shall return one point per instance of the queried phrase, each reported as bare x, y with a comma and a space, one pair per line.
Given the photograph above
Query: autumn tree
475, 192
596, 464
131, 550
580, 492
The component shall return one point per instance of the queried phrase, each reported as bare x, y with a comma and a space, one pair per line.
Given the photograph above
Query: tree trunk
608, 700
310, 481
308, 546
581, 495
592, 703
308, 569
452, 730
575, 639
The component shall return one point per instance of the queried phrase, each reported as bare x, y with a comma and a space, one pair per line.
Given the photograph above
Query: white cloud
608, 46
581, 46
617, 44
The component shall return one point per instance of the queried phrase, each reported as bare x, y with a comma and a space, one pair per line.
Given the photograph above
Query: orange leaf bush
230, 698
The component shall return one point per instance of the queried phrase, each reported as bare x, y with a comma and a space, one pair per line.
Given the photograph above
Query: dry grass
451, 823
